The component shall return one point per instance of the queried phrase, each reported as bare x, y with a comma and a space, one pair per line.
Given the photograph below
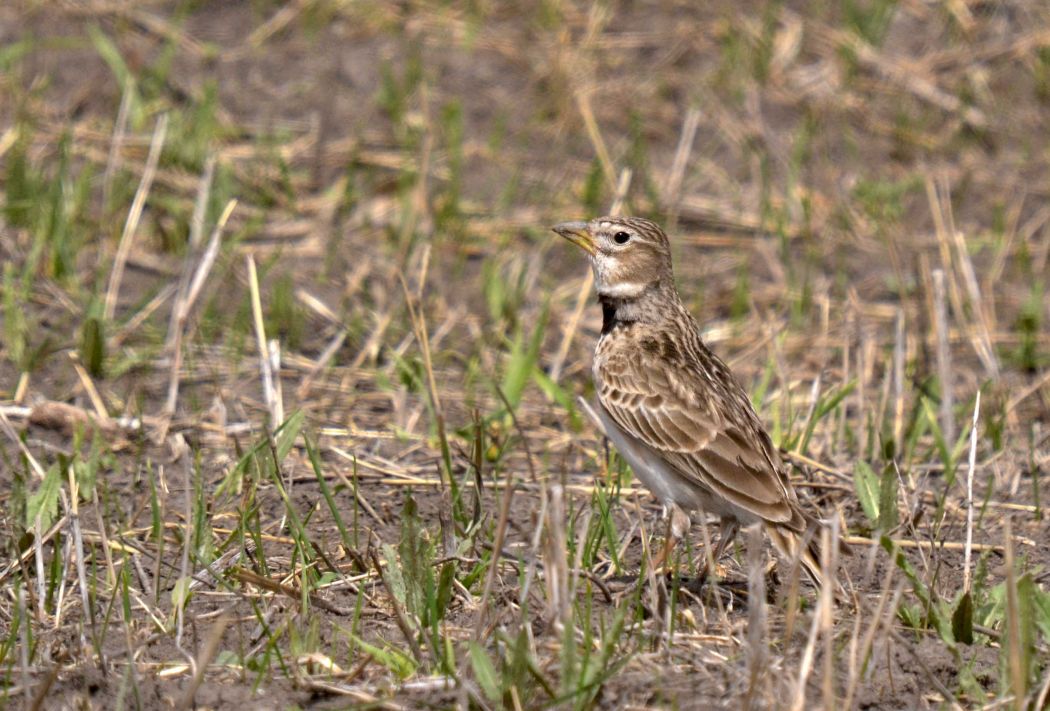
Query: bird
673, 409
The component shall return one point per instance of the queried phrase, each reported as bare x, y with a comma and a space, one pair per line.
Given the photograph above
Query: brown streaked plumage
671, 407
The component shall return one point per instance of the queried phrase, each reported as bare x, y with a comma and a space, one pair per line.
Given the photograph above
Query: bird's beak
578, 233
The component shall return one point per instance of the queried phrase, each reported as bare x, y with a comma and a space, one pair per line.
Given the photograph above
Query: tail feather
805, 549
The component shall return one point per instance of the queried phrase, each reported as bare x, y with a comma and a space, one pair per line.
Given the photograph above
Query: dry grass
291, 366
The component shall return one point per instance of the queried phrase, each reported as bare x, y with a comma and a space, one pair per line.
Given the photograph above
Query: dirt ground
834, 177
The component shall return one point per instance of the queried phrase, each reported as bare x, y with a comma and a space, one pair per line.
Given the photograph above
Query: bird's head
629, 254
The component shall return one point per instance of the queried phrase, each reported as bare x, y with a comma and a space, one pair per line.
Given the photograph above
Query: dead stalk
969, 494
200, 204
497, 549
265, 356
399, 613
822, 624
44, 687
899, 354
207, 653
23, 638
1014, 651
673, 187
944, 357
134, 215
78, 544
184, 565
92, 392
758, 647
1044, 693
189, 289
883, 615
829, 544
557, 562
120, 127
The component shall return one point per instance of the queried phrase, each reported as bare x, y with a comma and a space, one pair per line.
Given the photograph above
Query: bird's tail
805, 549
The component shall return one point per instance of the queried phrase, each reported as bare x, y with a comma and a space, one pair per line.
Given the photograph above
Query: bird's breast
613, 353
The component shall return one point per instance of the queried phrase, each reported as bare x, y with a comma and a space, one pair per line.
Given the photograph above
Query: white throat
622, 290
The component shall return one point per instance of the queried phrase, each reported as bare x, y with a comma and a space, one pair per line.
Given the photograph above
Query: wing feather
698, 429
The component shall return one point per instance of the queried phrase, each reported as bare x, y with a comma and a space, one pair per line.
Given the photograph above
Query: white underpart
669, 487
623, 290
656, 475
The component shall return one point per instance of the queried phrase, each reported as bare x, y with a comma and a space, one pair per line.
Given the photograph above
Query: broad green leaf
416, 555
1041, 603
868, 491
287, 434
93, 346
888, 516
394, 576
1033, 601
444, 588
393, 659
962, 619
911, 615
485, 672
180, 594
42, 506
934, 613
1028, 613
125, 586
328, 578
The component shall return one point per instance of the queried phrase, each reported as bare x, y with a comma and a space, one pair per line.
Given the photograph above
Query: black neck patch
610, 318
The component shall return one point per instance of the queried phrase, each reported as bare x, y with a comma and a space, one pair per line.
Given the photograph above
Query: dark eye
621, 237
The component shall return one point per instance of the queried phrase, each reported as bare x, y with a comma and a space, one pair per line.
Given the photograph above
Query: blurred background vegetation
330, 219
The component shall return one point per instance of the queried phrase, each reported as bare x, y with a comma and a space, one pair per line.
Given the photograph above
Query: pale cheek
607, 270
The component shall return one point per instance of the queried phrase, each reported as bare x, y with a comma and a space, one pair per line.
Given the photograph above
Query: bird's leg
730, 526
677, 526
665, 552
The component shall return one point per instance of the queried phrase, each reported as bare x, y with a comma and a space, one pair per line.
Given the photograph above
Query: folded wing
701, 432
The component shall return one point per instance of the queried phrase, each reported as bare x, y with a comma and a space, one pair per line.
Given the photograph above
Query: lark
672, 408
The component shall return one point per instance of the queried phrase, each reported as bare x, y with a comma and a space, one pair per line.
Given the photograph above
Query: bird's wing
703, 427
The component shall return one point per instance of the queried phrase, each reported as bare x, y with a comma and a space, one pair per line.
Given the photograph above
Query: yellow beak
578, 234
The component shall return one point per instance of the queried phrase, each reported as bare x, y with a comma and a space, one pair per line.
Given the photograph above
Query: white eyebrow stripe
624, 289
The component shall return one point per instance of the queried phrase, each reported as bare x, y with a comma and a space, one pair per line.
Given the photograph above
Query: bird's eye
621, 237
